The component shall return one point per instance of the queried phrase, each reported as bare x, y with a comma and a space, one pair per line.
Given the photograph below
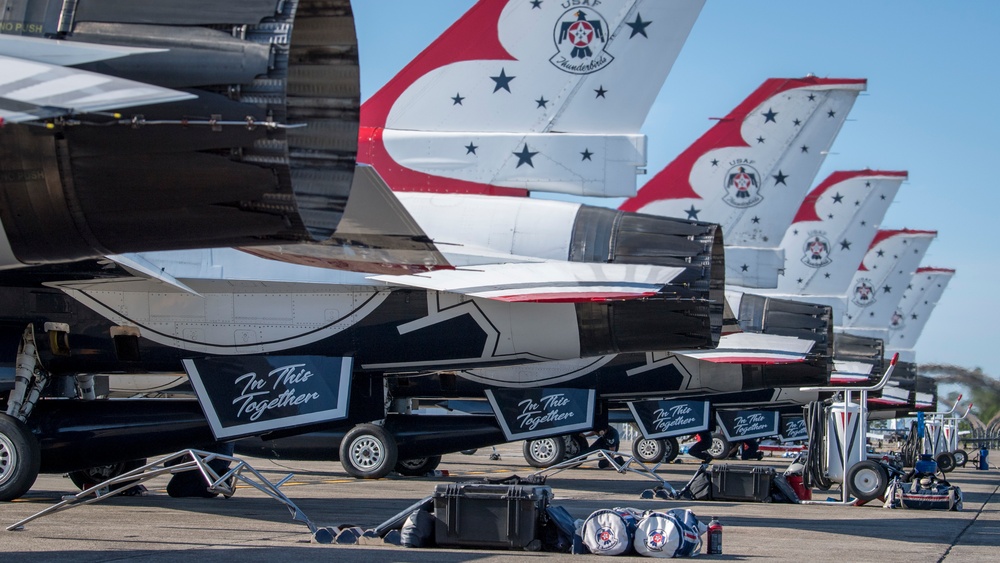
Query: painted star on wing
525, 156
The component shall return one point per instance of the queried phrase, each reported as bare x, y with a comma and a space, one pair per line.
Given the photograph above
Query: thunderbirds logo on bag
656, 540
742, 184
864, 293
606, 538
816, 250
581, 37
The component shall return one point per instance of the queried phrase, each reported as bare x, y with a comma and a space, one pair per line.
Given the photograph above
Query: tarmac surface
251, 527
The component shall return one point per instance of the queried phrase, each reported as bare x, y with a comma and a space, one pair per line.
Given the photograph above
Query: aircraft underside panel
115, 324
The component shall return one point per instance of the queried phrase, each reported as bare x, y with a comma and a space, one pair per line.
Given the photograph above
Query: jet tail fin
519, 94
750, 172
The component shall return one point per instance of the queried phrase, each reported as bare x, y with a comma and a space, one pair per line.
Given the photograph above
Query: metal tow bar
179, 462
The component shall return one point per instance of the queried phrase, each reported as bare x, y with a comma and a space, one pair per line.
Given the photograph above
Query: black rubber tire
961, 457
575, 444
469, 452
867, 480
368, 451
945, 462
720, 448
418, 467
20, 458
648, 450
544, 452
87, 478
671, 449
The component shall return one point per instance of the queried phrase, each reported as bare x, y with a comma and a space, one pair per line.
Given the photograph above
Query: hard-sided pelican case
734, 482
488, 516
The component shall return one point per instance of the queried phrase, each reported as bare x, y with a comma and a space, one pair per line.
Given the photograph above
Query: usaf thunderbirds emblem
816, 250
581, 35
864, 293
742, 185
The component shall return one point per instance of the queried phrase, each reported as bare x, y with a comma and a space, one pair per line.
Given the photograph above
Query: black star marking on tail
586, 155
525, 156
600, 92
779, 178
769, 116
470, 148
457, 100
502, 81
638, 26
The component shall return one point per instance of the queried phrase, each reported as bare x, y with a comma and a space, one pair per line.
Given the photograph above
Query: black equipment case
488, 516
742, 483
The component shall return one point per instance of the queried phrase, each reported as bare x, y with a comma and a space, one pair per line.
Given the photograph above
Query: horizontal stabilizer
376, 235
754, 348
552, 282
64, 53
32, 90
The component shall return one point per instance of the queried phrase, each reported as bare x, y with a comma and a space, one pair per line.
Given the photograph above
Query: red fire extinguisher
715, 537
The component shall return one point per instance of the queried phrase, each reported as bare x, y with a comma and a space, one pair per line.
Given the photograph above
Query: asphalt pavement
251, 526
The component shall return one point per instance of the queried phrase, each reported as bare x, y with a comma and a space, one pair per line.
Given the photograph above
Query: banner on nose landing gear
743, 425
665, 419
535, 412
247, 395
793, 429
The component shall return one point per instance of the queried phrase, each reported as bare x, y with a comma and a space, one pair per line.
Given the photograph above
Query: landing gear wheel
544, 452
670, 449
867, 480
648, 450
419, 466
961, 457
720, 448
946, 461
20, 458
87, 478
575, 444
368, 452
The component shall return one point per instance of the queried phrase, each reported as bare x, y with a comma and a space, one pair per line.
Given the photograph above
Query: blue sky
931, 108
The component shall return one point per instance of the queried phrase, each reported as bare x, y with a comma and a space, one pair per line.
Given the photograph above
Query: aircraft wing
754, 348
545, 282
33, 85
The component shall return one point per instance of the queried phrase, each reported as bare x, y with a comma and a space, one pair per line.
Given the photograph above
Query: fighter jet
311, 344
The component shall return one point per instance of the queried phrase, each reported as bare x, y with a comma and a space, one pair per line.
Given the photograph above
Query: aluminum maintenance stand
851, 436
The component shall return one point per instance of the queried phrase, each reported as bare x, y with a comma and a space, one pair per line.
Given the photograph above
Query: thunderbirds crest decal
742, 184
864, 293
581, 37
816, 250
